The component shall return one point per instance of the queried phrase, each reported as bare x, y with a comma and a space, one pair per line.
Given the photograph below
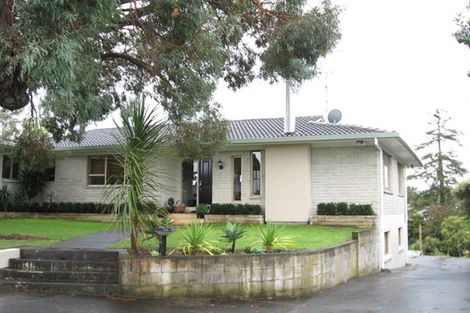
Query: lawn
306, 237
43, 232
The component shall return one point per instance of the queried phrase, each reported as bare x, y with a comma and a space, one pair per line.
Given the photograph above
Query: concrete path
100, 240
432, 284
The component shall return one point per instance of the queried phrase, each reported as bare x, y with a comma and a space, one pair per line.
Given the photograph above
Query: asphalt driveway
431, 284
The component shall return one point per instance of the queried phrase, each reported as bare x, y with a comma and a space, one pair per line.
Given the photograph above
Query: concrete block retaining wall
244, 276
6, 255
240, 219
365, 221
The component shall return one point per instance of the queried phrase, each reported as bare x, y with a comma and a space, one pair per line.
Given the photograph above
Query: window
387, 165
10, 168
401, 179
400, 236
386, 242
256, 173
104, 169
237, 178
49, 174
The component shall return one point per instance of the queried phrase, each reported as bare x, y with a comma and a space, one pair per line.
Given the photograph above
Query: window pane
6, 168
96, 180
114, 171
256, 172
16, 170
386, 160
237, 174
50, 174
97, 164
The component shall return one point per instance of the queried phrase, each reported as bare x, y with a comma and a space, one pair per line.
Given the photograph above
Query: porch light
221, 164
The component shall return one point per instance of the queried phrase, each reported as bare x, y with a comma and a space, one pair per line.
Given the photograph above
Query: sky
396, 63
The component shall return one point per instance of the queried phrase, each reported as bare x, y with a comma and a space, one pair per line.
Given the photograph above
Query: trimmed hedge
342, 208
64, 207
235, 209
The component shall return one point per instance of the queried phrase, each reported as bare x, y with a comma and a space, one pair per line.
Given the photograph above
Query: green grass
52, 229
306, 237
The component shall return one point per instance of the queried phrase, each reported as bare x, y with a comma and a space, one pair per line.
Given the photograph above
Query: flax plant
143, 139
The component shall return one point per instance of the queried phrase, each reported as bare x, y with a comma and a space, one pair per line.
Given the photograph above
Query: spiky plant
233, 232
195, 238
271, 236
143, 138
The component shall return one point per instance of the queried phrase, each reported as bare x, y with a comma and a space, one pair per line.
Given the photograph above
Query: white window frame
10, 176
254, 195
105, 175
387, 164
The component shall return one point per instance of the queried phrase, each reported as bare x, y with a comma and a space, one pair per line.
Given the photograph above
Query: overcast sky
396, 63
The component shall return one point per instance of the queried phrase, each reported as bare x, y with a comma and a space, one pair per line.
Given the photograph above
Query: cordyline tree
81, 54
441, 167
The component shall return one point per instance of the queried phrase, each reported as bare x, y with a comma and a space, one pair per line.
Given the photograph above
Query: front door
205, 181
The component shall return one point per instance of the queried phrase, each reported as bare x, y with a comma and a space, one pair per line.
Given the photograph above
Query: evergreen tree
441, 167
83, 54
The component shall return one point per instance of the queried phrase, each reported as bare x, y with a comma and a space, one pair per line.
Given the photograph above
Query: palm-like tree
143, 138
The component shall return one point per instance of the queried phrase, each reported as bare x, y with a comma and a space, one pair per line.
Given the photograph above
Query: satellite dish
334, 116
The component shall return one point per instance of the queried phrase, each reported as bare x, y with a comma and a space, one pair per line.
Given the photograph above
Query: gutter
302, 139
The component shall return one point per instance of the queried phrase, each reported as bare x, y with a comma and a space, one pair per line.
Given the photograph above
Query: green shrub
271, 236
235, 209
231, 233
455, 236
342, 208
201, 210
432, 246
195, 240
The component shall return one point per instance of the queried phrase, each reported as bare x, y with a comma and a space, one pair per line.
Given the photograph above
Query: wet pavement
430, 284
101, 240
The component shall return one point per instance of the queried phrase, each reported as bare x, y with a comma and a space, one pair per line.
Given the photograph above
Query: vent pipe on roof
289, 119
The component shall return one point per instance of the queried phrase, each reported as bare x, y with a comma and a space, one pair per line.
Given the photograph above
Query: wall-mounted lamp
221, 164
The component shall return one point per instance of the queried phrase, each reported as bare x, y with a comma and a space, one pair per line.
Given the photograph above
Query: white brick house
288, 174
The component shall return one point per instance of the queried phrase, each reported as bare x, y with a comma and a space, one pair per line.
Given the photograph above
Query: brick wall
70, 184
345, 174
222, 179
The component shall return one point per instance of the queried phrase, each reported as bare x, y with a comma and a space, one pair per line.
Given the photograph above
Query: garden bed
363, 221
240, 219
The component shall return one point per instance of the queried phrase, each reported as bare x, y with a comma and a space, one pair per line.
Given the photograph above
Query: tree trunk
134, 241
233, 246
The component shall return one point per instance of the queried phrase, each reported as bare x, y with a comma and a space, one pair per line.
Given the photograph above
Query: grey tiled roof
304, 126
265, 128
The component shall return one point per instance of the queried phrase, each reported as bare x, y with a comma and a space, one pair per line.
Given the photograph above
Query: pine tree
441, 167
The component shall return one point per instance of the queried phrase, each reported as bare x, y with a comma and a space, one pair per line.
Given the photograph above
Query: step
64, 288
71, 254
76, 277
62, 265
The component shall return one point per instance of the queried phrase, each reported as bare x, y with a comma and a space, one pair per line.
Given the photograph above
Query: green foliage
195, 239
432, 246
255, 250
56, 207
414, 220
155, 221
271, 236
201, 210
342, 208
435, 215
203, 136
462, 192
463, 34
235, 209
441, 167
231, 233
81, 52
4, 194
143, 139
455, 236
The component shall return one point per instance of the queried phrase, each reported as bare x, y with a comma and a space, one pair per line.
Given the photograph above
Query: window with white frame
387, 242
401, 179
237, 178
256, 173
104, 169
10, 168
387, 160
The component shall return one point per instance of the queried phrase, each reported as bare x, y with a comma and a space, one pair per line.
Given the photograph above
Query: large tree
441, 167
463, 33
80, 55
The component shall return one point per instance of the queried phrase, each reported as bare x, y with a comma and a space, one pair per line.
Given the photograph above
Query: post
162, 245
420, 236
